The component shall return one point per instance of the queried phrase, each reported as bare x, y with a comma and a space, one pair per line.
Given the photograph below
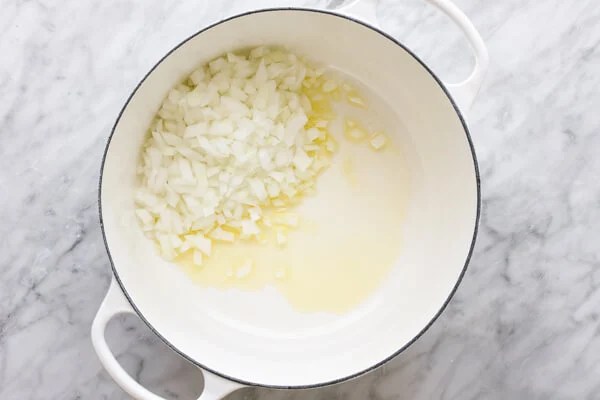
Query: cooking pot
252, 339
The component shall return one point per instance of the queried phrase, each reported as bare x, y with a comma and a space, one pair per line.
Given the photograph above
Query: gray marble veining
525, 323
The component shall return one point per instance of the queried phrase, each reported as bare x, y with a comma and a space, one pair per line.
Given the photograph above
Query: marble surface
525, 322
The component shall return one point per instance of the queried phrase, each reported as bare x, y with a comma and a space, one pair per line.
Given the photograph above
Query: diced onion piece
222, 235
255, 213
331, 145
144, 216
329, 86
176, 242
301, 160
166, 247
312, 134
184, 247
200, 242
244, 270
378, 141
355, 134
250, 228
258, 188
197, 76
356, 100
199, 129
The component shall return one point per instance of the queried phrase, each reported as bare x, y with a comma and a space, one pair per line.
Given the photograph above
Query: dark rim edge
452, 292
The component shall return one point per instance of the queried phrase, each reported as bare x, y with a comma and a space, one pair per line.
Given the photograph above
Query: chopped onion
244, 270
243, 134
378, 141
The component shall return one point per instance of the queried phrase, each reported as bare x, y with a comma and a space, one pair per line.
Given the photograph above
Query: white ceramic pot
256, 341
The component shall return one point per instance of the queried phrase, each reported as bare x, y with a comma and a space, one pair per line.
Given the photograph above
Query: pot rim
452, 292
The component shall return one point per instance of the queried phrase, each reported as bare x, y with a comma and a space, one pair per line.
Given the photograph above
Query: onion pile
243, 137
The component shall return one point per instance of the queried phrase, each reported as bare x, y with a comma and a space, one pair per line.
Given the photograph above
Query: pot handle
463, 92
115, 303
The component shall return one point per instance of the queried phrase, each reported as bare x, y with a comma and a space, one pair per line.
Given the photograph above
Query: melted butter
349, 172
348, 238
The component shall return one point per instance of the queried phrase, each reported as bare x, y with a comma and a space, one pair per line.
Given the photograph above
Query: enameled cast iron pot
256, 341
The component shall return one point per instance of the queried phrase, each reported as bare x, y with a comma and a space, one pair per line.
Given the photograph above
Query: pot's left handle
115, 303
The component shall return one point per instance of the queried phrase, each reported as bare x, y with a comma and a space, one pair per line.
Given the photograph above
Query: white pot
256, 342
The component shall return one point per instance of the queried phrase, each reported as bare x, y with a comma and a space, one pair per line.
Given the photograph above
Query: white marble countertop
525, 322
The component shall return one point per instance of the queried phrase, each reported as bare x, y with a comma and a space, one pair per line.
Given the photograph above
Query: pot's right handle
115, 303
463, 92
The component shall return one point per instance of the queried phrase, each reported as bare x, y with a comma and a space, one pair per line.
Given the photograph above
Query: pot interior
256, 337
